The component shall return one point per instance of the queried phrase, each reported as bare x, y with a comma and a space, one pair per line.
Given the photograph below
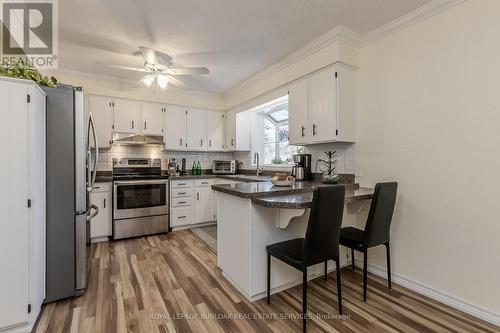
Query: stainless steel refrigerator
71, 170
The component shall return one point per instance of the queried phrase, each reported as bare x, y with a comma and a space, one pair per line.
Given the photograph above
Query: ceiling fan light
162, 81
148, 80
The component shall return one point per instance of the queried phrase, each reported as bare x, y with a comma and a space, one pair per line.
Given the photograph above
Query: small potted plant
25, 71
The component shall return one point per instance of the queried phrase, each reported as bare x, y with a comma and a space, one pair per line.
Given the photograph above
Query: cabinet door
14, 172
322, 107
197, 129
175, 128
215, 130
100, 226
152, 118
230, 131
101, 108
127, 114
297, 113
242, 131
204, 205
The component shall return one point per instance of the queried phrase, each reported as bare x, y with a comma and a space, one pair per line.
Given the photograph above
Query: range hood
127, 139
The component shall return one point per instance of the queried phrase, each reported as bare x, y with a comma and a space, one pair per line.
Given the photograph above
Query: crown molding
339, 33
421, 13
130, 83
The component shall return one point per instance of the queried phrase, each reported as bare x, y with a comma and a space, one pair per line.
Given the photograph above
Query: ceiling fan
160, 71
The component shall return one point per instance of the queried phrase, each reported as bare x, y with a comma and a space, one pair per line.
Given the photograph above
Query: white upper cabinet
101, 108
297, 112
215, 133
197, 129
127, 116
322, 107
152, 118
175, 128
230, 119
323, 111
243, 131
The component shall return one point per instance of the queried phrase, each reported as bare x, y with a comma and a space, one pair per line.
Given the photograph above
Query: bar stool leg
352, 258
304, 300
268, 278
339, 285
326, 265
388, 264
365, 273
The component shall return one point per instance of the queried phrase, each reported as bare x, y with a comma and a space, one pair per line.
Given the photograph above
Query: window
276, 150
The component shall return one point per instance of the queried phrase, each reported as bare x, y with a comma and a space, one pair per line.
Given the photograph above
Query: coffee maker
302, 169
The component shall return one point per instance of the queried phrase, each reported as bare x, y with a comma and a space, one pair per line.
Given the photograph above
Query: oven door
140, 198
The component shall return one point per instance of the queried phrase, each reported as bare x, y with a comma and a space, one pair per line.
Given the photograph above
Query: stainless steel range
140, 201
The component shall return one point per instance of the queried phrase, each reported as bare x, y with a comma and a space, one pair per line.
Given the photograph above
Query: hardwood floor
146, 284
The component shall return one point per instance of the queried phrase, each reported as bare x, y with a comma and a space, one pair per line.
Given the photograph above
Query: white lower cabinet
101, 225
192, 202
204, 205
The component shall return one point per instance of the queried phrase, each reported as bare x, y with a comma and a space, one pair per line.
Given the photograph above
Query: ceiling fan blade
175, 82
188, 71
163, 58
149, 55
127, 68
147, 80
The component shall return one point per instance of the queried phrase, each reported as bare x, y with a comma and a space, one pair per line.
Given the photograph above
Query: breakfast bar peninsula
253, 215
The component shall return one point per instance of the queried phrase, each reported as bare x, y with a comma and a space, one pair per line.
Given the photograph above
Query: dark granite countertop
267, 189
104, 177
303, 200
243, 178
190, 177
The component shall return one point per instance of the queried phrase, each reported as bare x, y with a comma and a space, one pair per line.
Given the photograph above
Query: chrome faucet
256, 161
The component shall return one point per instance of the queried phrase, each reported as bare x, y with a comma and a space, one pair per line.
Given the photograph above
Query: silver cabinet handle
181, 183
210, 143
232, 142
180, 142
201, 143
314, 129
198, 196
145, 126
182, 202
181, 193
303, 131
182, 217
132, 124
104, 202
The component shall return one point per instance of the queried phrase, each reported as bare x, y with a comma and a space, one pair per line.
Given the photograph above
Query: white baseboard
191, 226
275, 290
457, 303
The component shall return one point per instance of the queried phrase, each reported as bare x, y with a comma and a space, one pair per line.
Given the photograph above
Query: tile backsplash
205, 158
345, 156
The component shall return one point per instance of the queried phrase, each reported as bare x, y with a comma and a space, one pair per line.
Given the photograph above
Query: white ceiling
233, 38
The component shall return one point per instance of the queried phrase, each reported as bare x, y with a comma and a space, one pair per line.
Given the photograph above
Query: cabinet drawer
179, 202
181, 183
181, 216
181, 192
102, 187
203, 182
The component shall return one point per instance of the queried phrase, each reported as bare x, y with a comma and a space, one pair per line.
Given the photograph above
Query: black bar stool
377, 229
320, 244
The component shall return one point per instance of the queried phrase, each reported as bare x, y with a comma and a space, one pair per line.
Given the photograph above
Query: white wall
428, 116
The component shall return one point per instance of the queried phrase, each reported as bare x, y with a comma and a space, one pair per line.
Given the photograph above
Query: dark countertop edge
284, 191
261, 201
